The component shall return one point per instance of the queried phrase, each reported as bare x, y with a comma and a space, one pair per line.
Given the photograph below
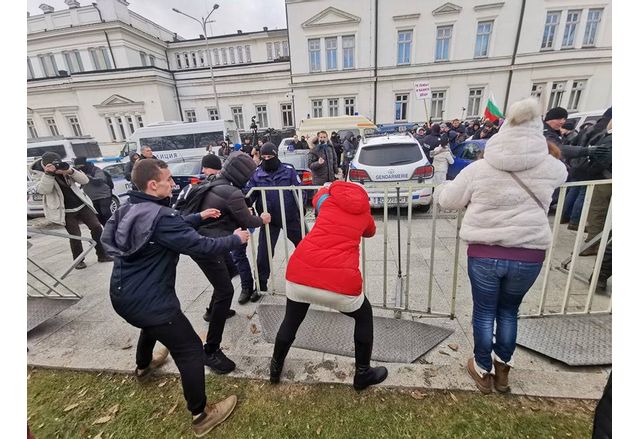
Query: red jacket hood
350, 197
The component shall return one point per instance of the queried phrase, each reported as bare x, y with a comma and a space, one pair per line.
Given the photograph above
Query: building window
51, 124
314, 55
216, 57
550, 27
178, 61
247, 52
232, 55
30, 74
190, 115
201, 56
111, 128
240, 56
49, 66
348, 49
404, 46
287, 115
261, 115
536, 90
186, 60
269, 51
143, 59
194, 58
443, 40
152, 60
402, 101
592, 27
482, 38
139, 119
224, 56
333, 106
213, 113
573, 18
276, 49
74, 62
75, 125
100, 58
475, 98
555, 98
316, 105
31, 129
349, 106
576, 93
437, 104
285, 48
121, 127
131, 125
237, 117
331, 48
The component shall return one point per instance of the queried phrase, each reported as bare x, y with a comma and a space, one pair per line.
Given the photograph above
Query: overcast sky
248, 15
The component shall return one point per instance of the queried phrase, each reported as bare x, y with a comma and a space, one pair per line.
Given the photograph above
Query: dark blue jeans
498, 287
573, 203
241, 262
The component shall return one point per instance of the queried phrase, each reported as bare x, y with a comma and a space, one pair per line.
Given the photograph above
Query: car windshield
471, 151
185, 168
390, 154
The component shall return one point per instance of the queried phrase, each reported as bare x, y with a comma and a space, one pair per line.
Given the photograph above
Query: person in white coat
442, 158
507, 195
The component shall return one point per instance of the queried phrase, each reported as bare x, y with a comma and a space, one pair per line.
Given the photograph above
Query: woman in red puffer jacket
325, 270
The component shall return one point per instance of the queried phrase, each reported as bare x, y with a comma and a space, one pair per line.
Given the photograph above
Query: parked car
298, 159
464, 154
35, 208
392, 158
580, 119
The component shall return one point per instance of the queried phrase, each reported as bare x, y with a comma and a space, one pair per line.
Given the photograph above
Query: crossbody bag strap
526, 188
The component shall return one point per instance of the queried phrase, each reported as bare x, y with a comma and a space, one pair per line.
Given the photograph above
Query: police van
170, 140
68, 148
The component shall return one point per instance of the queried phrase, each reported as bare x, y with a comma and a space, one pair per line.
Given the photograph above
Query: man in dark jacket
133, 158
553, 121
225, 195
432, 139
146, 152
98, 189
322, 161
485, 132
336, 142
271, 173
146, 237
349, 147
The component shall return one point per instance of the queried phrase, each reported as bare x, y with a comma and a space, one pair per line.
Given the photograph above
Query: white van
580, 119
170, 140
68, 148
340, 124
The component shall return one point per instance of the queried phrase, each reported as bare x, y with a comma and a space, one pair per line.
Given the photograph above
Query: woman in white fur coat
507, 195
442, 158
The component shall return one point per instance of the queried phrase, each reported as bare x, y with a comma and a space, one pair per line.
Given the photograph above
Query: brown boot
213, 415
501, 380
483, 383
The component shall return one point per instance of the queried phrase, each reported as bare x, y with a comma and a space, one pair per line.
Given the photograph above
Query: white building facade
103, 70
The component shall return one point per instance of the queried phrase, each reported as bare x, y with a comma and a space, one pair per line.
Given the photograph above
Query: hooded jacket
226, 196
53, 199
499, 211
432, 139
145, 237
328, 256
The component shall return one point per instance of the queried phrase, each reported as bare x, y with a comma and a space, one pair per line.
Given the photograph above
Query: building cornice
446, 9
488, 6
406, 17
345, 19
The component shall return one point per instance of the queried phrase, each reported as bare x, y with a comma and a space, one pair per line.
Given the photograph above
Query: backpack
190, 198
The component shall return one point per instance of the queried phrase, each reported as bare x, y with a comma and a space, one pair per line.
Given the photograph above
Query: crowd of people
507, 195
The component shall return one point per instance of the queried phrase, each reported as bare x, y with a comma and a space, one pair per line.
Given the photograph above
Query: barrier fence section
403, 295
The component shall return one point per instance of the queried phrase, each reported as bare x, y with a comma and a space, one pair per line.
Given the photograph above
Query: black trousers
603, 416
216, 271
294, 234
362, 335
72, 224
186, 349
103, 206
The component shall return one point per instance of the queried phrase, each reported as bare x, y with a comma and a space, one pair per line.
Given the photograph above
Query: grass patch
65, 404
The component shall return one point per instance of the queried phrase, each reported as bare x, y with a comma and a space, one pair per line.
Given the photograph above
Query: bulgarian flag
492, 112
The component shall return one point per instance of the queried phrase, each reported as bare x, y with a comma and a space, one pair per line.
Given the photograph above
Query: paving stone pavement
91, 336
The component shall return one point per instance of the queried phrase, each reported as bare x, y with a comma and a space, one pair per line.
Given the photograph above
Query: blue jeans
573, 203
498, 287
241, 261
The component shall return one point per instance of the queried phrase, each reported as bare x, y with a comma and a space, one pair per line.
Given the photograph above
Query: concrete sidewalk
91, 336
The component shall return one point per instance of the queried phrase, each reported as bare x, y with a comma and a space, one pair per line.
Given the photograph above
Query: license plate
36, 197
391, 201
176, 187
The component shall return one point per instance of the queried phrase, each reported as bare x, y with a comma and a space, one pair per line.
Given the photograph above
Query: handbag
526, 188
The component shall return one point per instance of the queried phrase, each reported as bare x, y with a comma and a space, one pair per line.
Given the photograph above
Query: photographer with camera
66, 204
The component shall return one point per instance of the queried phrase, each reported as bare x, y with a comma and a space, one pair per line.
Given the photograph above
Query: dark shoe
81, 266
483, 383
255, 296
245, 295
280, 351
213, 415
590, 251
564, 220
263, 286
367, 376
601, 287
219, 362
572, 226
501, 380
231, 313
207, 315
105, 259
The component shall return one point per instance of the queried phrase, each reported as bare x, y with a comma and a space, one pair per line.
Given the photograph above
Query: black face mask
271, 165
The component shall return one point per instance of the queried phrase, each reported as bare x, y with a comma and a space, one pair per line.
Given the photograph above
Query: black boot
245, 295
365, 374
280, 351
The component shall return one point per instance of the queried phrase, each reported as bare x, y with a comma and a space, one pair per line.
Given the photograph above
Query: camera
60, 165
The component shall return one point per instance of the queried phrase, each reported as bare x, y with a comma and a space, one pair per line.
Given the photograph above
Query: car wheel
115, 203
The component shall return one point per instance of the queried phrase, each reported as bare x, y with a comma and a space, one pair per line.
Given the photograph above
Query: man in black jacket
225, 195
553, 121
98, 189
145, 237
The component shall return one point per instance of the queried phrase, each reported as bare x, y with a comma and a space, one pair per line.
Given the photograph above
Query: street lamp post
203, 22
